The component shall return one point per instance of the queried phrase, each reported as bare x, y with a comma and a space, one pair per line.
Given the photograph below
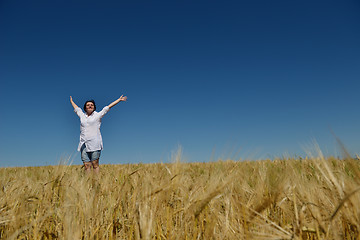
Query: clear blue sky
238, 79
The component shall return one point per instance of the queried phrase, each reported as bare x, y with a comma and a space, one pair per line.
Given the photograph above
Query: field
313, 198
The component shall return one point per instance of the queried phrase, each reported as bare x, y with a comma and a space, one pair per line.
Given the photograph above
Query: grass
313, 198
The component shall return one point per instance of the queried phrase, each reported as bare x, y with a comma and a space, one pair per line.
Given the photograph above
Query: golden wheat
314, 198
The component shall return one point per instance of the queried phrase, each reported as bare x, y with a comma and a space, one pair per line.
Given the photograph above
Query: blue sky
222, 79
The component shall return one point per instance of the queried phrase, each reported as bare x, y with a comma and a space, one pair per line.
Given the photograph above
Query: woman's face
89, 108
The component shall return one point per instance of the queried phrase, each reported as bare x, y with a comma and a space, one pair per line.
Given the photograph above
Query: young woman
91, 143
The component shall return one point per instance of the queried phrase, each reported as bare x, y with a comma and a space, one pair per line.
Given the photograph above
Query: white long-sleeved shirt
90, 134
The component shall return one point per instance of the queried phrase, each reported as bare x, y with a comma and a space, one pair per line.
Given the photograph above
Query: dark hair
92, 101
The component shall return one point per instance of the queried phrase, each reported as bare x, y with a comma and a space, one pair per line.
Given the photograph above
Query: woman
91, 143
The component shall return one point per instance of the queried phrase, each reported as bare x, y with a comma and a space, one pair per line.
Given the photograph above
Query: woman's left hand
123, 98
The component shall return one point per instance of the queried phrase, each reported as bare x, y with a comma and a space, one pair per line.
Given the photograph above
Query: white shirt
90, 129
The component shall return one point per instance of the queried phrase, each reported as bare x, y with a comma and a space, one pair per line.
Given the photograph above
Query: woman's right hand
72, 103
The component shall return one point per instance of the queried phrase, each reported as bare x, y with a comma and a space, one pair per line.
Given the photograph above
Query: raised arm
72, 103
120, 99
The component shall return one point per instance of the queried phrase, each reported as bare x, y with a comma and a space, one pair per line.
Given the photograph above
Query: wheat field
312, 198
